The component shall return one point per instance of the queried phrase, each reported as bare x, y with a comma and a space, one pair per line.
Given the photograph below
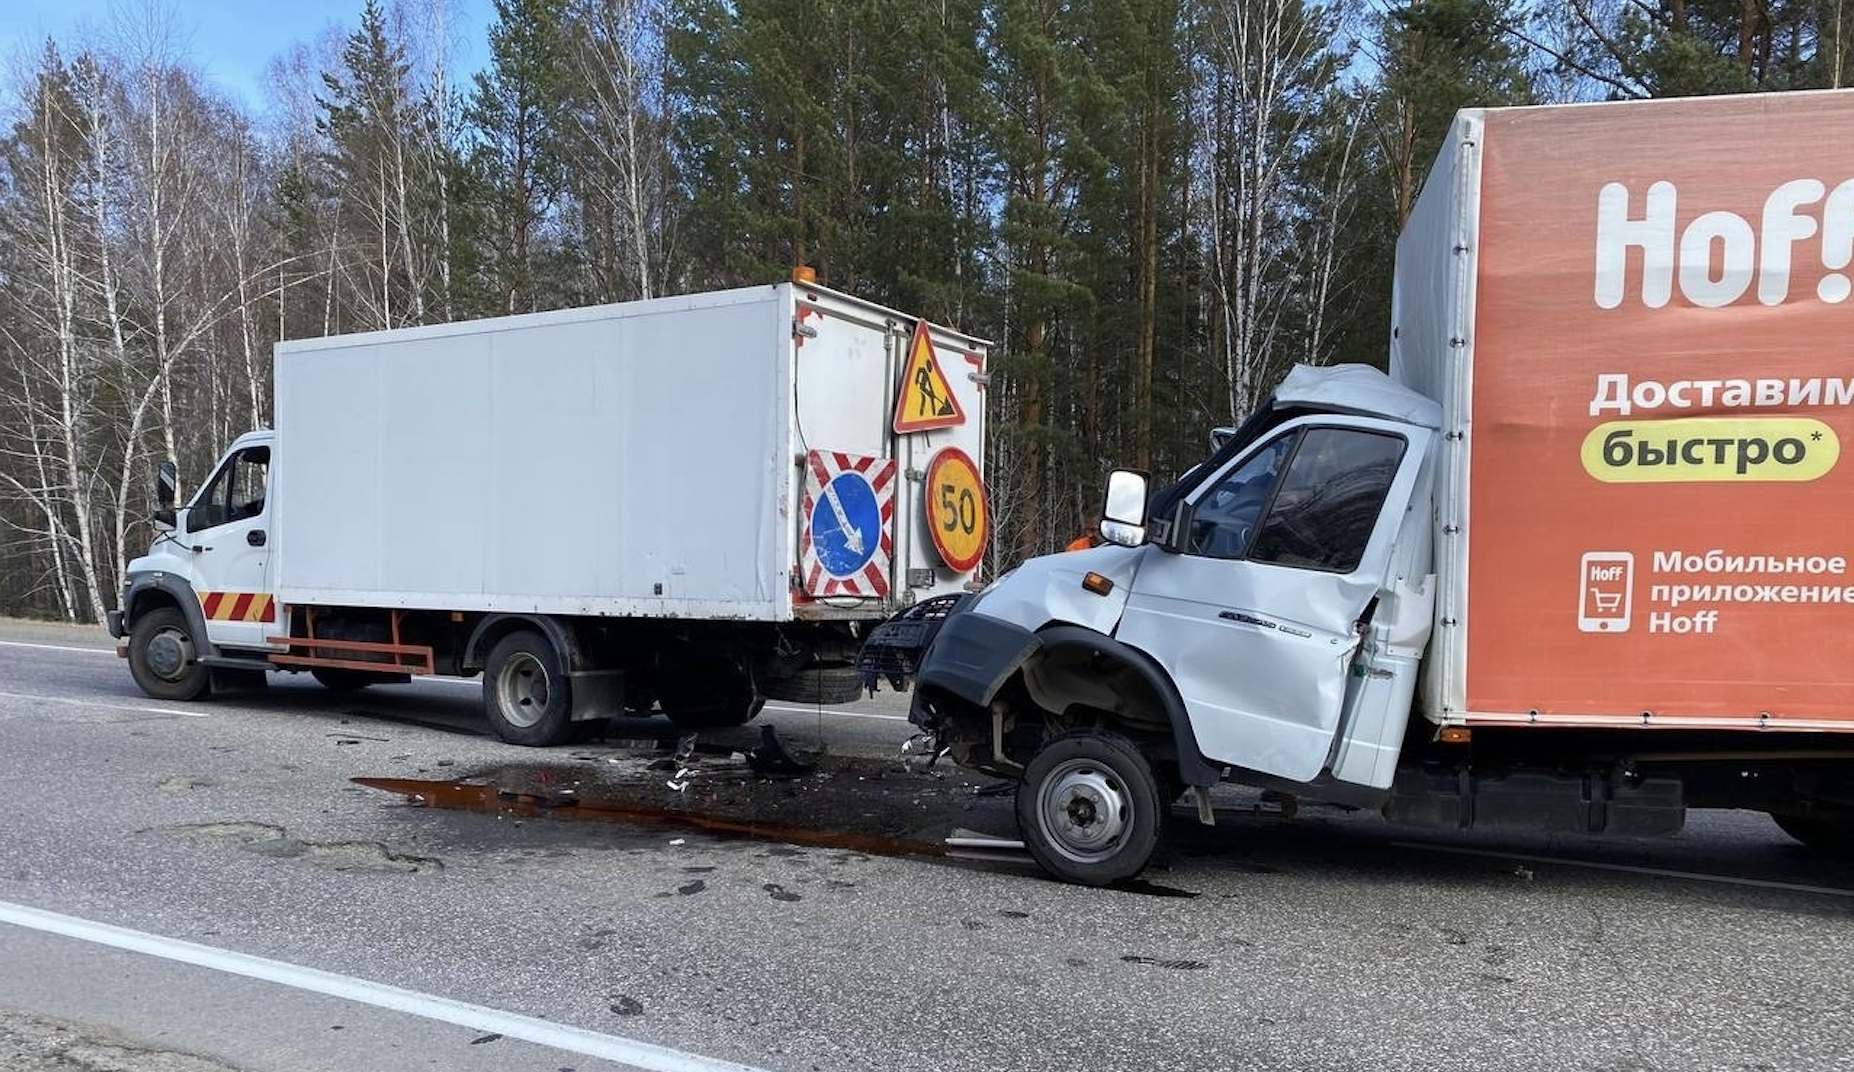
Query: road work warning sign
926, 399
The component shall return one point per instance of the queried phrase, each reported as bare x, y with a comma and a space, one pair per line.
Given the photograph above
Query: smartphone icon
1605, 592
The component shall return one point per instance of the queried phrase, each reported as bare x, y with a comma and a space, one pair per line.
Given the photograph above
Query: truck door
227, 524
1257, 611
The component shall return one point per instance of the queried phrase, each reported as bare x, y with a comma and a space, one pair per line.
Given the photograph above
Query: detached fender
974, 654
143, 591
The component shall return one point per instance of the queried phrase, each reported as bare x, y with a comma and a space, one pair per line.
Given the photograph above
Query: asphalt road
201, 887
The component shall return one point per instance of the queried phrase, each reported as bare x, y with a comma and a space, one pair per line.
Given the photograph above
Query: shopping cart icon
1606, 581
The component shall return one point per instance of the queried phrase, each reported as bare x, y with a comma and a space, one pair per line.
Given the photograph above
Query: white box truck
1578, 563
693, 503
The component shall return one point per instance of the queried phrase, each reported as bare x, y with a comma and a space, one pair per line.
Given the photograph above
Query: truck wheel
1830, 837
337, 679
164, 656
526, 693
827, 683
1089, 808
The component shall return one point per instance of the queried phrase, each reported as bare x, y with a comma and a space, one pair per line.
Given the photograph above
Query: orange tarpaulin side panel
1661, 508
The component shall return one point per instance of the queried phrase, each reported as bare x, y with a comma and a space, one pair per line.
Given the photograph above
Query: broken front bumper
894, 649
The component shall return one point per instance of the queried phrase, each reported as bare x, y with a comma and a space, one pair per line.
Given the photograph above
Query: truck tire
826, 683
339, 679
1089, 809
526, 693
1833, 837
164, 656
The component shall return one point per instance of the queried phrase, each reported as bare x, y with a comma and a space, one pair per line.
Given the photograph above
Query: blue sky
233, 41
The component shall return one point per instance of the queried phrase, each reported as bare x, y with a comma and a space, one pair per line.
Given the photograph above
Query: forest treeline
1153, 206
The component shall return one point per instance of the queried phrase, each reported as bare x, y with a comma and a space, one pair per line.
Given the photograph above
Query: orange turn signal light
1455, 735
1097, 584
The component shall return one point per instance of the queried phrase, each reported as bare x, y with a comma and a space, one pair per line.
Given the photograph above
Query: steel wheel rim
1085, 810
169, 653
522, 690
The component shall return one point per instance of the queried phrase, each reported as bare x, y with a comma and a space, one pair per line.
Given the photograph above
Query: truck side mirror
167, 489
167, 485
1123, 518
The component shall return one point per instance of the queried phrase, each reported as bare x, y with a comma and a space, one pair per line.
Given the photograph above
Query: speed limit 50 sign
956, 512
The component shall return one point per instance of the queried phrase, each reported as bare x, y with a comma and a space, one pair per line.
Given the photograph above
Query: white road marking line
56, 647
626, 1051
107, 706
789, 709
1729, 880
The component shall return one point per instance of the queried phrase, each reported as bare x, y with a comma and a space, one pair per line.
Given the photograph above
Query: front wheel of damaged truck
164, 656
1089, 808
525, 691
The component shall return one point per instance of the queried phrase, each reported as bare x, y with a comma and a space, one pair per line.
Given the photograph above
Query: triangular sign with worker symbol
926, 399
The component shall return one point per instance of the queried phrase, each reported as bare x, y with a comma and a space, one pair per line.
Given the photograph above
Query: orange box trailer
1580, 564
1636, 317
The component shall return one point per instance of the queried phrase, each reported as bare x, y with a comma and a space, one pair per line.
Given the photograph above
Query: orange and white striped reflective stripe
239, 606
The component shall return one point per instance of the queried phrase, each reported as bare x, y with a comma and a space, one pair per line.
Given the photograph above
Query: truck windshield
1224, 520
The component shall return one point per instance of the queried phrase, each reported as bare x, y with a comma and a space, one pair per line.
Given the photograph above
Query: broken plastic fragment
772, 758
919, 752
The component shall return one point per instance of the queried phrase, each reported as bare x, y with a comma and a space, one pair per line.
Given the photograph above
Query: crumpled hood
1049, 589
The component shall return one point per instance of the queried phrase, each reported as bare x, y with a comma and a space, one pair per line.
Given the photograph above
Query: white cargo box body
646, 459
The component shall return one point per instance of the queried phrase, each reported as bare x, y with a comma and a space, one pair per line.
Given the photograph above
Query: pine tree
1046, 86
369, 125
517, 113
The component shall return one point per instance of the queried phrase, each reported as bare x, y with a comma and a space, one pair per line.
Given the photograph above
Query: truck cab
207, 576
1263, 620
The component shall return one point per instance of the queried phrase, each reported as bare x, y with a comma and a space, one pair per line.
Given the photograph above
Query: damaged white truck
686, 505
1577, 564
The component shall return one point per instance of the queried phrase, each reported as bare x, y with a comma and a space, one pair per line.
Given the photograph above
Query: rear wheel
1089, 808
526, 692
1831, 836
164, 656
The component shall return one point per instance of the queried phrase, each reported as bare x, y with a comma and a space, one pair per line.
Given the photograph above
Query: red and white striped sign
869, 577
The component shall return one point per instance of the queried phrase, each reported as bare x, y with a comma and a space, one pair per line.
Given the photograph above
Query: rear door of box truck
1636, 317
889, 429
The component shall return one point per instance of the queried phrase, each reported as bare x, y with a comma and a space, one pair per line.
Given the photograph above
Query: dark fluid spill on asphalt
492, 798
486, 797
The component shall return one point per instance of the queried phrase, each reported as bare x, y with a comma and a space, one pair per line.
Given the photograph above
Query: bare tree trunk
414, 278
63, 277
1148, 290
617, 58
